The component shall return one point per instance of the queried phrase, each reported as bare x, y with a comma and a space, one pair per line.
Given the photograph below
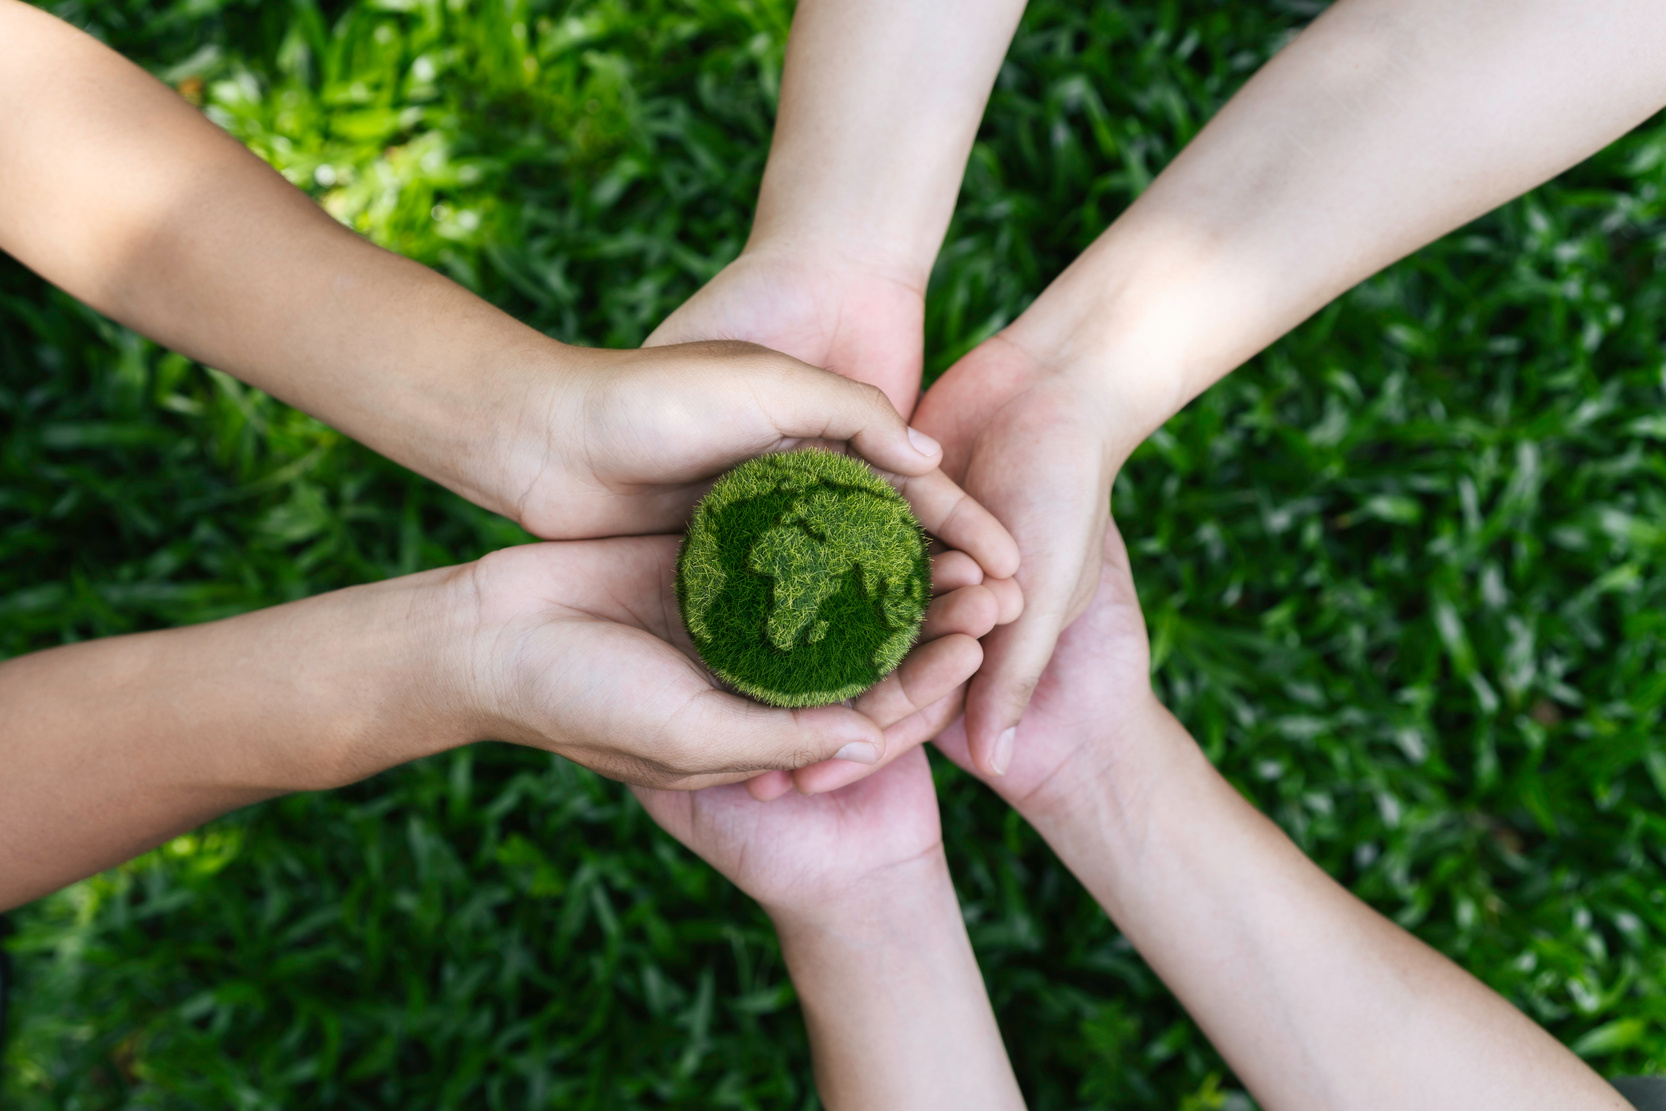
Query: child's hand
578, 648
1097, 680
801, 855
1097, 686
1035, 445
1037, 448
858, 888
625, 442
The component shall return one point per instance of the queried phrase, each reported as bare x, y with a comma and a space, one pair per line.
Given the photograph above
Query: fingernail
858, 752
1002, 756
923, 444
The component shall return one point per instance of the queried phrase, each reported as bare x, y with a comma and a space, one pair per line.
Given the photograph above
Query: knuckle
681, 756
876, 399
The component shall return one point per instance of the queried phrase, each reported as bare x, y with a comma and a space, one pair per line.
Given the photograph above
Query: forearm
117, 190
893, 998
1384, 125
111, 747
880, 102
1314, 999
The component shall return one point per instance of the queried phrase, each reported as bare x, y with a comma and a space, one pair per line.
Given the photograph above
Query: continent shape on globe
803, 579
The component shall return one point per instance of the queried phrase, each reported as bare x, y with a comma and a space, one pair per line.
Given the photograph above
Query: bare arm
1316, 1000
858, 888
1383, 125
893, 997
110, 747
116, 189
880, 102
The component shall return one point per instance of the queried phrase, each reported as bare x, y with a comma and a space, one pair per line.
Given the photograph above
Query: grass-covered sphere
803, 579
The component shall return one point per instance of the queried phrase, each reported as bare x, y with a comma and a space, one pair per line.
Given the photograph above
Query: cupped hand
803, 852
853, 320
1093, 705
614, 443
579, 648
1037, 449
1035, 446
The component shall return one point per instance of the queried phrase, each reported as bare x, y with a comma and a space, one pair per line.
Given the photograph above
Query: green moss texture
803, 579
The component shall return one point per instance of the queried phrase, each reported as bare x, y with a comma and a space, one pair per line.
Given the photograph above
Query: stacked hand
578, 647
626, 444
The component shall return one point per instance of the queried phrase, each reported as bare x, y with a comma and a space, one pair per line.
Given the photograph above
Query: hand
1038, 448
605, 443
1089, 718
853, 320
578, 648
858, 888
802, 854
1035, 444
863, 323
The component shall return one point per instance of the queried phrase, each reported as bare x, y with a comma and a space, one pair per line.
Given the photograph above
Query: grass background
1404, 574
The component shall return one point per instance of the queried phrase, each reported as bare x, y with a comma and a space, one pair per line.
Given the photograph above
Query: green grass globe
803, 578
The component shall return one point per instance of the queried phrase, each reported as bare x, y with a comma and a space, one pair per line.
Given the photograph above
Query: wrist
855, 257
1116, 791
505, 425
369, 679
866, 911
1138, 321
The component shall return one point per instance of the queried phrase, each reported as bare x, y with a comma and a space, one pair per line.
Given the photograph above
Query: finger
951, 742
971, 610
953, 516
807, 402
919, 699
1015, 655
902, 738
952, 570
1009, 599
772, 785
928, 673
717, 734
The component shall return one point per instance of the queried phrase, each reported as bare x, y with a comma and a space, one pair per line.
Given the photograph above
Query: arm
859, 891
1384, 125
893, 997
880, 102
113, 746
1314, 999
117, 190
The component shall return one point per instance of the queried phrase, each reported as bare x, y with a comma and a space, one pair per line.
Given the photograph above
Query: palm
864, 326
798, 849
583, 642
1031, 449
1100, 673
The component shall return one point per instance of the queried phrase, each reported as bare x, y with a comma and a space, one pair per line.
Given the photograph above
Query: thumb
805, 402
722, 737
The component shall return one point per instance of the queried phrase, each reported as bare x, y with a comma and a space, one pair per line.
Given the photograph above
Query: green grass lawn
1406, 579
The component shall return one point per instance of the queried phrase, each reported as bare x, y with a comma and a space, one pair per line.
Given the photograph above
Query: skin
1314, 999
854, 203
209, 251
856, 195
1384, 125
114, 746
858, 888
